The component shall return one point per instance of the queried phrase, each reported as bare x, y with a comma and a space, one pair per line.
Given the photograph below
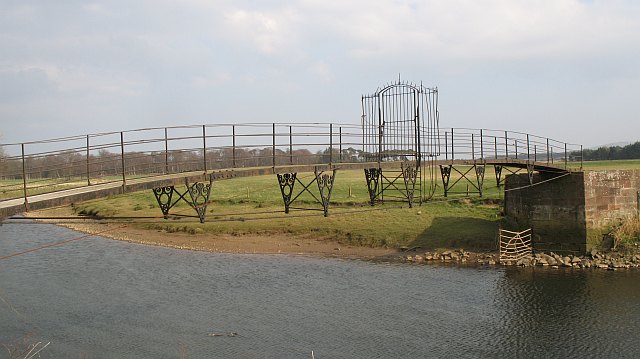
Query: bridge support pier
477, 184
286, 182
199, 193
409, 173
198, 197
372, 176
445, 172
498, 172
530, 169
323, 180
378, 183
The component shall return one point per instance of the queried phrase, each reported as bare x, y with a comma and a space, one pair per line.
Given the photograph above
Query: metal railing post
547, 150
330, 144
565, 156
506, 145
204, 147
233, 144
515, 142
473, 148
124, 178
452, 150
528, 150
481, 146
166, 151
446, 146
88, 173
273, 146
495, 147
24, 179
581, 157
340, 138
290, 145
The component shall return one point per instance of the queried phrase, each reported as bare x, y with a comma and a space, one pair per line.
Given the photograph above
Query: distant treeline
76, 164
627, 152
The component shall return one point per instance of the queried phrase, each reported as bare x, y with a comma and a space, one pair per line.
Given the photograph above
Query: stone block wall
554, 210
611, 195
561, 211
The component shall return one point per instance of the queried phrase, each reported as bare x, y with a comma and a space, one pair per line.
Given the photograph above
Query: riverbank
594, 260
274, 243
295, 245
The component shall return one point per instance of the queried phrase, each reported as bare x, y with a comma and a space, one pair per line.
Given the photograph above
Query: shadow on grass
459, 233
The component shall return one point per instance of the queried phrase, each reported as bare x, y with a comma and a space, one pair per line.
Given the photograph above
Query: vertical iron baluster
24, 179
124, 178
204, 148
88, 175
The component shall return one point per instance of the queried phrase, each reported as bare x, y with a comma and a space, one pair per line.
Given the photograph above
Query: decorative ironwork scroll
409, 173
325, 186
445, 171
163, 196
373, 179
199, 193
287, 182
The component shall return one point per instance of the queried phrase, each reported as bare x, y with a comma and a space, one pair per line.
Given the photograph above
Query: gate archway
400, 122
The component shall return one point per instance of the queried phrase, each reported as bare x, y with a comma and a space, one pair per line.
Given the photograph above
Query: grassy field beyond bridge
253, 206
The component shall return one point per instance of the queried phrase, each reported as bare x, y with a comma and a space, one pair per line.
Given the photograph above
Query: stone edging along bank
596, 260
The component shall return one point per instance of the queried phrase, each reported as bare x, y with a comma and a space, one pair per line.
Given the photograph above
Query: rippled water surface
109, 299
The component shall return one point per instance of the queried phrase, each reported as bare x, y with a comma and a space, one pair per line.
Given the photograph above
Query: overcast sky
565, 69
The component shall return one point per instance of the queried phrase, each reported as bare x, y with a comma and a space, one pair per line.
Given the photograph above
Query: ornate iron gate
400, 122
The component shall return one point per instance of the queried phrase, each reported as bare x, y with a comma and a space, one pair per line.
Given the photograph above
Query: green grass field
253, 205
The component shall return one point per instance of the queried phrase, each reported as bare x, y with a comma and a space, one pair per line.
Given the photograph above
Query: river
101, 298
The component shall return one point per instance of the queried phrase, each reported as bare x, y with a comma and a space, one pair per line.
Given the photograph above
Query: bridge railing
486, 144
51, 165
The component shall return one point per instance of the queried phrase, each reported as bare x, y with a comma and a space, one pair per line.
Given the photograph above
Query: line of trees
627, 152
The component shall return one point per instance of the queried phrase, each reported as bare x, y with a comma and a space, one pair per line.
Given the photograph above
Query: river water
101, 298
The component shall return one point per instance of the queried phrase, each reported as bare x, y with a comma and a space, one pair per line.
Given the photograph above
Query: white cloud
322, 71
268, 32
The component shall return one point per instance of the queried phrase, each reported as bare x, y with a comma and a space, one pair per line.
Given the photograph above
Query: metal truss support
199, 193
324, 181
163, 196
409, 173
286, 182
480, 177
498, 172
325, 186
445, 171
198, 197
373, 179
530, 171
479, 170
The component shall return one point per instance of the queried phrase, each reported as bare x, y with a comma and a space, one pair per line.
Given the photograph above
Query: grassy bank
253, 205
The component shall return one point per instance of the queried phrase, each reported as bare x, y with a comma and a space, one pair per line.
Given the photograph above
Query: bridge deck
89, 192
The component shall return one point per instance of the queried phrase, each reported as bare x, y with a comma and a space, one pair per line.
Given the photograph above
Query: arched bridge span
55, 172
399, 144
